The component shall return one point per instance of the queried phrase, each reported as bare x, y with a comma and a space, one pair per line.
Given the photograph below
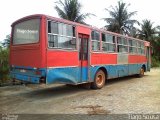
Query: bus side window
61, 35
108, 43
122, 45
52, 34
132, 46
140, 45
95, 40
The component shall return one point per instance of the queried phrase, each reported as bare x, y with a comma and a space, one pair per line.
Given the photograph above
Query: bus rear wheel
99, 80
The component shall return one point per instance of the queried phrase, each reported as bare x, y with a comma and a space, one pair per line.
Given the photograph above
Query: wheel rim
100, 79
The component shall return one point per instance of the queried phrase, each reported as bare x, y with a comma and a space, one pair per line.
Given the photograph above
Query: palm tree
120, 21
150, 33
147, 30
71, 10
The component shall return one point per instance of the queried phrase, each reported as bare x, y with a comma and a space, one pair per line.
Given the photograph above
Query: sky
11, 10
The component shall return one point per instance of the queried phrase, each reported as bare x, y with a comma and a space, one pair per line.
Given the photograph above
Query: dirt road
122, 95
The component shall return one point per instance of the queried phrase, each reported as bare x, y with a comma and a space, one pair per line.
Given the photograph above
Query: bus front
27, 52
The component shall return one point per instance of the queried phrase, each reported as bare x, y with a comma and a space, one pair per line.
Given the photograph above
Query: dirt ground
119, 96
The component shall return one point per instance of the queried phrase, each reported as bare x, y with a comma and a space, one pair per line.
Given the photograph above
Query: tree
71, 10
4, 59
6, 41
147, 30
4, 64
120, 21
150, 33
155, 43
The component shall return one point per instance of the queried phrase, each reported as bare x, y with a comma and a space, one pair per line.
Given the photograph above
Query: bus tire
99, 80
141, 72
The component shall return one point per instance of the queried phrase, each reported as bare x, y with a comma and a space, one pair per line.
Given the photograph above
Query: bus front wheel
141, 73
99, 80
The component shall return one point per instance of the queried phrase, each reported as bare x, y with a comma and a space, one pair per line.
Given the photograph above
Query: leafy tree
147, 30
6, 41
71, 10
4, 59
155, 42
120, 20
150, 33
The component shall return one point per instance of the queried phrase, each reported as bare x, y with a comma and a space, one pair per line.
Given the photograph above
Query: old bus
46, 49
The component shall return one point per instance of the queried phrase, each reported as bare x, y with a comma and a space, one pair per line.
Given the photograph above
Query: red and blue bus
48, 50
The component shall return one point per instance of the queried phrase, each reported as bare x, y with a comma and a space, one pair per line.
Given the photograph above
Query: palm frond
119, 20
61, 12
71, 10
147, 30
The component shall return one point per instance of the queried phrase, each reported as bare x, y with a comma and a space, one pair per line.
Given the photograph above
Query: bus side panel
122, 64
108, 61
102, 59
134, 59
114, 70
111, 71
68, 75
133, 69
62, 67
122, 70
59, 58
115, 64
135, 63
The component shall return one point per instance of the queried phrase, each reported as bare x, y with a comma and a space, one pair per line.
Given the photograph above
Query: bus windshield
26, 32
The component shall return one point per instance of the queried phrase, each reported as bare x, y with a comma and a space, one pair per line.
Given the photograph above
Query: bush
155, 62
4, 64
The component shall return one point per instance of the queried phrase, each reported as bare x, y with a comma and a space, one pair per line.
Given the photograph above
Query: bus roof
74, 23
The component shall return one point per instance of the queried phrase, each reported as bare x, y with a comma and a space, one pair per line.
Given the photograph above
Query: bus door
148, 56
83, 56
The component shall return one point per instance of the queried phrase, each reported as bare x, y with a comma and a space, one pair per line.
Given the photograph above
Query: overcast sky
11, 10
